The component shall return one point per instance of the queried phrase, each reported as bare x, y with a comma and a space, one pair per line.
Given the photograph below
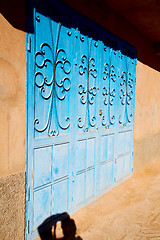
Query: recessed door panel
109, 173
90, 183
80, 188
42, 166
81, 156
104, 148
120, 167
103, 176
60, 196
60, 162
110, 147
41, 206
90, 153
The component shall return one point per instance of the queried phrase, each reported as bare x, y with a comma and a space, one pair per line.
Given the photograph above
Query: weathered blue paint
80, 112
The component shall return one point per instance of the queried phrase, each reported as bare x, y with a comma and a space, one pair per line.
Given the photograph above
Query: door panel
60, 196
120, 167
103, 176
42, 166
80, 188
90, 158
52, 77
60, 161
109, 173
80, 112
41, 206
90, 183
81, 148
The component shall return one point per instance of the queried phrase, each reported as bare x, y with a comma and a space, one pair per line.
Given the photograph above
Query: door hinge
29, 44
73, 179
28, 226
28, 194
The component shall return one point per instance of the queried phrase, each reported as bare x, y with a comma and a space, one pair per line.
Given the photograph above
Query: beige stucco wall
12, 130
147, 116
12, 98
147, 109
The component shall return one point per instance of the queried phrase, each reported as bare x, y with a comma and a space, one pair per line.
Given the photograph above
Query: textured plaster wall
12, 130
12, 98
147, 110
147, 115
12, 211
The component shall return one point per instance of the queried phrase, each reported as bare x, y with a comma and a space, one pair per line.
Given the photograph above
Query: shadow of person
67, 224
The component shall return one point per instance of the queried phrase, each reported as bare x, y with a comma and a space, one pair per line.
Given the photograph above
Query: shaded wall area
104, 15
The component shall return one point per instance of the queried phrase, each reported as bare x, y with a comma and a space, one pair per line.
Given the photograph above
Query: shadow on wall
15, 12
67, 224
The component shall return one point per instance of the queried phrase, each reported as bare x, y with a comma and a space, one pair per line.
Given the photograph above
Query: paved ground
130, 211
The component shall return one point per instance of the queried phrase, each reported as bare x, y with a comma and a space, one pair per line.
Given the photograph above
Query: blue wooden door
80, 112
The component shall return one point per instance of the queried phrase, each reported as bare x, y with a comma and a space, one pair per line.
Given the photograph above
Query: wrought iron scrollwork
52, 89
126, 94
109, 92
87, 93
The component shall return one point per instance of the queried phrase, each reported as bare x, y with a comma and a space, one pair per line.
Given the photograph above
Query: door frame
29, 101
